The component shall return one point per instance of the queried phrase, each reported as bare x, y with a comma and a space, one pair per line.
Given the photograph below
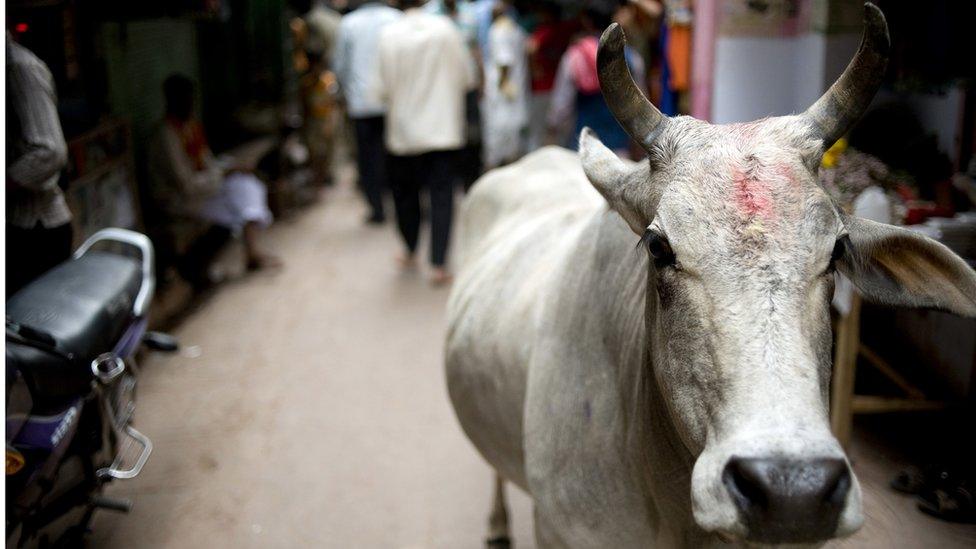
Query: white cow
675, 396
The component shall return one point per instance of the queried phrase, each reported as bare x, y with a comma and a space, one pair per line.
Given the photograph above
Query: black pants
408, 174
33, 252
371, 161
469, 158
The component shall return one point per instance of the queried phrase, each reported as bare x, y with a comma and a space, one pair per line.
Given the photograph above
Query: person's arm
563, 103
340, 57
189, 181
34, 104
468, 64
503, 52
383, 68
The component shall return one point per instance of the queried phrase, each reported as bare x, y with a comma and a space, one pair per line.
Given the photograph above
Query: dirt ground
308, 409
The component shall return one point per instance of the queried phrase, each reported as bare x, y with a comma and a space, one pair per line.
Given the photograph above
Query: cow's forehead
744, 185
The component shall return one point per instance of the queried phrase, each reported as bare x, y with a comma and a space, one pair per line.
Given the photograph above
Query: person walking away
39, 230
188, 181
322, 120
506, 108
315, 33
577, 87
357, 67
465, 17
463, 13
322, 27
545, 47
424, 75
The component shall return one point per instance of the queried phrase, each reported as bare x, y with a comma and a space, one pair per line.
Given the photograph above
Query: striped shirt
36, 151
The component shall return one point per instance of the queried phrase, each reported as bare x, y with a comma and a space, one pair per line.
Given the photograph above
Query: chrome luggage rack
109, 367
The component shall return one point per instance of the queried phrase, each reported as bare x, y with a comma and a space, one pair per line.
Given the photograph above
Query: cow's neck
651, 443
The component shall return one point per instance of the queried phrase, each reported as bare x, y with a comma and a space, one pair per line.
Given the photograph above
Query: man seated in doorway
189, 182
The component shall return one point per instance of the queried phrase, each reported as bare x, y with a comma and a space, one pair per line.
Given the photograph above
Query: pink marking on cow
757, 186
752, 194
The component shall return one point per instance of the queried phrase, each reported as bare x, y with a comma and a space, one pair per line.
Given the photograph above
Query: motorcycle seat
84, 304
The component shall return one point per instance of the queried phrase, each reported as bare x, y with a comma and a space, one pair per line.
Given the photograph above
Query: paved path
316, 413
308, 409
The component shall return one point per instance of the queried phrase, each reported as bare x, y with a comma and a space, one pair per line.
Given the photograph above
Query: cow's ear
613, 179
896, 266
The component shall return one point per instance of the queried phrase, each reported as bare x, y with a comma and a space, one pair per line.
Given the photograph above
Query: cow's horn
642, 121
847, 99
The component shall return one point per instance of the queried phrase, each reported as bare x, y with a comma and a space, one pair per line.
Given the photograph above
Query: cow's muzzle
788, 500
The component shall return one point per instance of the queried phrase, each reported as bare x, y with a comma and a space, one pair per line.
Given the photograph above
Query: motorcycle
72, 337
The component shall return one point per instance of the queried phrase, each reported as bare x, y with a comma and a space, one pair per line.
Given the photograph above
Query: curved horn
847, 99
639, 118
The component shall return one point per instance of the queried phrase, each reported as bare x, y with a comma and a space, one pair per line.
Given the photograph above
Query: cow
675, 397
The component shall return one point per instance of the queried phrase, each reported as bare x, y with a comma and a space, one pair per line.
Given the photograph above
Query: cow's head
743, 244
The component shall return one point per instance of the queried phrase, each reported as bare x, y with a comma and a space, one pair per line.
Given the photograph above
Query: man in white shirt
356, 66
424, 75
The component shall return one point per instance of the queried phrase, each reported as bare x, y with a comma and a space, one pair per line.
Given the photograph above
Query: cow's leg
498, 534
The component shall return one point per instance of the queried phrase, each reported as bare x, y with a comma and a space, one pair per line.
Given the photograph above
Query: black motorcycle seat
84, 304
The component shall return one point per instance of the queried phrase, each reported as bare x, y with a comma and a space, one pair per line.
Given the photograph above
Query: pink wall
703, 58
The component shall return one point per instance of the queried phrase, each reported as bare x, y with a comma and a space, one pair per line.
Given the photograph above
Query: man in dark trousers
356, 66
425, 72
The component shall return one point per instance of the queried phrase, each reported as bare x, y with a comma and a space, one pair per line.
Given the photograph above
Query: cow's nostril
745, 483
786, 500
838, 483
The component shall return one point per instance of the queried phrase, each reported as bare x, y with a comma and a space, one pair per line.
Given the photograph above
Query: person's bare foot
264, 262
406, 261
440, 276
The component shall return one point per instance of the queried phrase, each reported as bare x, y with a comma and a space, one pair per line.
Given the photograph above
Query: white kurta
505, 109
242, 199
425, 70
179, 188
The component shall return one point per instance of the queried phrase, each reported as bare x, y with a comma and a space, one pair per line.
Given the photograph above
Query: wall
139, 55
754, 77
939, 114
758, 76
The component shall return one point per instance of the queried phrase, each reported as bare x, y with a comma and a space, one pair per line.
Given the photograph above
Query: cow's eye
659, 248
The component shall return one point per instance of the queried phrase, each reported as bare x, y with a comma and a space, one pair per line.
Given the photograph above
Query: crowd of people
433, 93
439, 91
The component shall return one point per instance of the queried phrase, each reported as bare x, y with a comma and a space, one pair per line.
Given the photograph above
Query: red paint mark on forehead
751, 194
756, 187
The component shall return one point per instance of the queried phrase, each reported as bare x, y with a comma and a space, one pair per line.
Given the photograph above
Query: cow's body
554, 361
676, 394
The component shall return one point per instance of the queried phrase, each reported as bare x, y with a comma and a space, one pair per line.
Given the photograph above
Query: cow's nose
788, 500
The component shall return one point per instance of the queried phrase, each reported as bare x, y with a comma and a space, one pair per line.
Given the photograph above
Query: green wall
139, 55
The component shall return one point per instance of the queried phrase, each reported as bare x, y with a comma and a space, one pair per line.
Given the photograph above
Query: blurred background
306, 405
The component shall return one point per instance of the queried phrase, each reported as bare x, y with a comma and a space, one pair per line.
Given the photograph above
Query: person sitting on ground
189, 182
